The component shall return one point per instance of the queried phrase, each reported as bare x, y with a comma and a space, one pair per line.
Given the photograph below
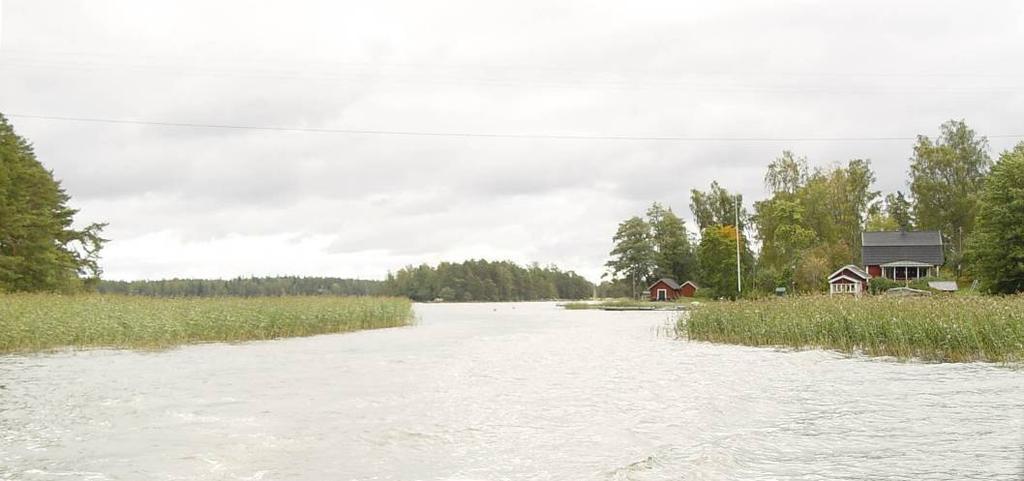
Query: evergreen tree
899, 210
997, 245
39, 249
673, 255
633, 255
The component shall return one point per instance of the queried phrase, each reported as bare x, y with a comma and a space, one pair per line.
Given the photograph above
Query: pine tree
39, 249
633, 256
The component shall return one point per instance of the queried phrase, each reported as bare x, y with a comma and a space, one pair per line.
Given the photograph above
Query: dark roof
671, 283
904, 238
884, 247
852, 268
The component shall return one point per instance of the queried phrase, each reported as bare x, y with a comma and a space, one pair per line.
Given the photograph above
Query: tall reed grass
936, 328
36, 322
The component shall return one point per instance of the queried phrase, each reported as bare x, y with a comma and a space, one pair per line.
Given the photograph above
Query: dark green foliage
717, 216
812, 222
673, 255
39, 249
480, 280
998, 241
716, 256
878, 285
245, 287
618, 288
647, 249
717, 207
899, 209
633, 256
946, 178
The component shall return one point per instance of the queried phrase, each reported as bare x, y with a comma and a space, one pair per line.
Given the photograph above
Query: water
504, 392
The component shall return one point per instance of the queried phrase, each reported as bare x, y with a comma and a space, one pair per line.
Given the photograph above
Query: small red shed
849, 279
666, 289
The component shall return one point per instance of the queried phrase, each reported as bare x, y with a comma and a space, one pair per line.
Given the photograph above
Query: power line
421, 133
677, 83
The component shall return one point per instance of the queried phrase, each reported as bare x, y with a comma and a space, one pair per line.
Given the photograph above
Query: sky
404, 132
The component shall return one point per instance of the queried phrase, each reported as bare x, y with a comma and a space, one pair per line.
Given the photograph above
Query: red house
849, 279
666, 289
902, 256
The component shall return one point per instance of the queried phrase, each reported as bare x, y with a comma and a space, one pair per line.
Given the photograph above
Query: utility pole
739, 282
960, 253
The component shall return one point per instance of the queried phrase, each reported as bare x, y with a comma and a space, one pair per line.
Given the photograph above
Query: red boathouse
666, 289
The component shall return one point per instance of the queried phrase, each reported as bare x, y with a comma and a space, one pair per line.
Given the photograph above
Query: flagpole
739, 282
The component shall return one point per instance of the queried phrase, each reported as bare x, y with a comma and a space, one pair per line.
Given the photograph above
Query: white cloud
222, 202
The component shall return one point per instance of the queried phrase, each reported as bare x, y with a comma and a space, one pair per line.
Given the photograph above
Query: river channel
522, 391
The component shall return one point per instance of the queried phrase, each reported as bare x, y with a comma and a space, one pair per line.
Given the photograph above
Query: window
844, 288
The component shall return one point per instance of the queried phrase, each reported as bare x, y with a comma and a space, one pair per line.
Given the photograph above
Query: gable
665, 283
850, 270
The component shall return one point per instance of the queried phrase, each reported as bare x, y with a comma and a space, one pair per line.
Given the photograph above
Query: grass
936, 328
626, 302
40, 322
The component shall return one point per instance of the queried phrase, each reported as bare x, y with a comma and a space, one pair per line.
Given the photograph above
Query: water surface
504, 392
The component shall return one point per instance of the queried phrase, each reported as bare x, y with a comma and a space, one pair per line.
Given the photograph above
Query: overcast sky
215, 202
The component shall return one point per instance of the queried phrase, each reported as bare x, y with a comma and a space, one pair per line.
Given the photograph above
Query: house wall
875, 271
670, 293
687, 290
861, 286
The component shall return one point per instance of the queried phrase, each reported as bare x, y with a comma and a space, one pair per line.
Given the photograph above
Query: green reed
37, 322
936, 328
624, 302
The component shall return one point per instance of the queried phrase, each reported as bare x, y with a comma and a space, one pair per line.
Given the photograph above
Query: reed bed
623, 303
39, 322
936, 328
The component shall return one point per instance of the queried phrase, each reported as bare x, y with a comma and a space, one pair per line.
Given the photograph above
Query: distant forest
480, 280
473, 280
245, 287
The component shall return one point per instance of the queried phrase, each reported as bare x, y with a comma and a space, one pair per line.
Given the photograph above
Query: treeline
812, 219
480, 280
245, 287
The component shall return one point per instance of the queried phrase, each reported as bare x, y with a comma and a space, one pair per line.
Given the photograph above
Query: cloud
224, 202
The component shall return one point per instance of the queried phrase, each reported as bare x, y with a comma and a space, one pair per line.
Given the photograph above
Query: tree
39, 249
813, 220
673, 255
899, 209
880, 220
946, 177
786, 174
997, 244
633, 255
716, 258
481, 280
716, 207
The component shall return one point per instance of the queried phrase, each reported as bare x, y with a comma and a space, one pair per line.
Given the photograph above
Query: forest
244, 287
481, 280
812, 219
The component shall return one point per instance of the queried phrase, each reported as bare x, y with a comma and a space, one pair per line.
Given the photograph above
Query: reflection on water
504, 392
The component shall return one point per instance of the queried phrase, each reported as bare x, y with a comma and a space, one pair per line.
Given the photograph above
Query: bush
878, 285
